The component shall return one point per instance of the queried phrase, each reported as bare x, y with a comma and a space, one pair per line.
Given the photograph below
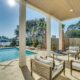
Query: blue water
7, 54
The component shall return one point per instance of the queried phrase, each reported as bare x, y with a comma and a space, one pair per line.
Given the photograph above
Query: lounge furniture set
46, 67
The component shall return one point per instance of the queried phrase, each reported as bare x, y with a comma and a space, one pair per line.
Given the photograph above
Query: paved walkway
11, 71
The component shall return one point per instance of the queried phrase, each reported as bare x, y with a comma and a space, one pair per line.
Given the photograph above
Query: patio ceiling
61, 9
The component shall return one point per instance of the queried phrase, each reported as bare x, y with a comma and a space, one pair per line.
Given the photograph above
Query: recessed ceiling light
71, 10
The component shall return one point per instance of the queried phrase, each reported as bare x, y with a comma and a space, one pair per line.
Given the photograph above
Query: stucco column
48, 33
22, 33
61, 37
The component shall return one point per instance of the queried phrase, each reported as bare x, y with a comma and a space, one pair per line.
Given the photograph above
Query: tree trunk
33, 40
63, 40
45, 43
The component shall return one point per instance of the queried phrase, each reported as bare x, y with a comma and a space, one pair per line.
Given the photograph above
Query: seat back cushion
74, 48
76, 65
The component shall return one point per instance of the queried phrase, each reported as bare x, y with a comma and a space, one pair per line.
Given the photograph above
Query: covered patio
60, 11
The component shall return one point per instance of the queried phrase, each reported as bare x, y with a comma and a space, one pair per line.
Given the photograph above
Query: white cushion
50, 59
74, 48
46, 61
57, 70
76, 65
43, 60
72, 51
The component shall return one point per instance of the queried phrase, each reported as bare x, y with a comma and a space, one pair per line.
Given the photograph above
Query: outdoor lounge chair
46, 71
73, 50
75, 65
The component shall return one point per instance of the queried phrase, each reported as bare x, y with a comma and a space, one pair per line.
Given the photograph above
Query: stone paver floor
10, 70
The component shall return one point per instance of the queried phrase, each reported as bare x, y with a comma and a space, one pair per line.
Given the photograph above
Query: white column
61, 41
48, 33
22, 33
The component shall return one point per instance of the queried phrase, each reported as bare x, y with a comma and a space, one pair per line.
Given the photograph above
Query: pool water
7, 54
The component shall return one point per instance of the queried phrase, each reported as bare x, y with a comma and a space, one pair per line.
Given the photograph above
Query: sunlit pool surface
7, 54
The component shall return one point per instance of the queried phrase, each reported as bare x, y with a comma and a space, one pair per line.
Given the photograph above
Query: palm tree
63, 37
34, 36
42, 31
17, 31
35, 28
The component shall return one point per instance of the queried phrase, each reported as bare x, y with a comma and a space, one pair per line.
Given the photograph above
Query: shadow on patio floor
75, 77
59, 78
26, 73
62, 78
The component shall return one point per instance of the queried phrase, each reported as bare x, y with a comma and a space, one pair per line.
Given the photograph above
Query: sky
73, 21
9, 19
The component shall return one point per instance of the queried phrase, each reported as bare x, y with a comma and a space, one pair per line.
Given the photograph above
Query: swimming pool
7, 54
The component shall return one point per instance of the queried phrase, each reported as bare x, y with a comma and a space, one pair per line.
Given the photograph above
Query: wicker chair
46, 71
75, 65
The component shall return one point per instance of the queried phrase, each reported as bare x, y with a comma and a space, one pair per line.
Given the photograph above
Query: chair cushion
57, 70
74, 48
46, 61
76, 65
73, 51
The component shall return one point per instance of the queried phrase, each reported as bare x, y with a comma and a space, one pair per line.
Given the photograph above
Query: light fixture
71, 10
11, 3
